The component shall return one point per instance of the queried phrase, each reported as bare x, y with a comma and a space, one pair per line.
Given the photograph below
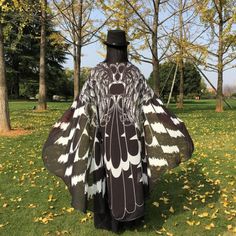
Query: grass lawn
196, 198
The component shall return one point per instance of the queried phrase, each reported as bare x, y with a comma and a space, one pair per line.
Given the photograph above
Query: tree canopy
192, 79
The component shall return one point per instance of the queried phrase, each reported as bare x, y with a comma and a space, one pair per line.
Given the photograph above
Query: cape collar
116, 64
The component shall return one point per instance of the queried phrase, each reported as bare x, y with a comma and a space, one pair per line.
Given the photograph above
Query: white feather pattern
64, 140
97, 187
57, 124
94, 165
64, 125
77, 178
74, 104
170, 149
63, 158
158, 109
68, 171
175, 133
158, 127
175, 120
154, 142
145, 179
159, 100
157, 162
79, 111
124, 165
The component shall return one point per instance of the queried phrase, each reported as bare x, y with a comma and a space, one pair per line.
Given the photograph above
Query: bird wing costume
136, 140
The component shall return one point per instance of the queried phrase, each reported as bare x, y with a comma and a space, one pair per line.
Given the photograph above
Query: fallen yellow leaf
186, 208
169, 234
83, 220
89, 215
208, 227
31, 205
211, 205
156, 204
165, 200
190, 222
50, 197
185, 187
158, 232
204, 214
198, 223
171, 209
2, 225
229, 227
70, 209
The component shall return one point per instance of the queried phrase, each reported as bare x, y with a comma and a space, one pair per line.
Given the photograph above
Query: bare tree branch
141, 18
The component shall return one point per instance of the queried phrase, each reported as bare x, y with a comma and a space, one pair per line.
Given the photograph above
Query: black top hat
116, 38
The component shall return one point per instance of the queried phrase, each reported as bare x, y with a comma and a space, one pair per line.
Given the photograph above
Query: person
115, 141
116, 57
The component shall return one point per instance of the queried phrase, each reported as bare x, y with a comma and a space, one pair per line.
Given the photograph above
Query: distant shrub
208, 96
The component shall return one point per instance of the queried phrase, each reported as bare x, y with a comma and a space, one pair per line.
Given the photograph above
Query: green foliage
22, 58
192, 79
233, 95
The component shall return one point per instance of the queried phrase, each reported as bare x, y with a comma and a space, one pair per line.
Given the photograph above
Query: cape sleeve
66, 152
167, 140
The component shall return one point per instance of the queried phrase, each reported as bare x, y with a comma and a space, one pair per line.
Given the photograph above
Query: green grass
201, 191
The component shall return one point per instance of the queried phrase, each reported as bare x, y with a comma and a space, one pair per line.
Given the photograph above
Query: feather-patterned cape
138, 140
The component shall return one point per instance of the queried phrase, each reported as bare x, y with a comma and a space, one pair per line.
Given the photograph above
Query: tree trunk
76, 74
16, 87
4, 109
77, 52
155, 61
219, 94
79, 67
180, 103
42, 104
79, 47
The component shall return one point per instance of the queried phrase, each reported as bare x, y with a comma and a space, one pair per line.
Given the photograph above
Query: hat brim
115, 44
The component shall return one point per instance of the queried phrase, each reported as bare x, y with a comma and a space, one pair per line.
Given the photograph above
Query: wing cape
167, 140
68, 150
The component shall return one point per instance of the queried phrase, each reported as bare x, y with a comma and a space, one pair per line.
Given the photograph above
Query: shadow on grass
171, 186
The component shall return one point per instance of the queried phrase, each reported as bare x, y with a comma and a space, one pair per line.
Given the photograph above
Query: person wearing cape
115, 141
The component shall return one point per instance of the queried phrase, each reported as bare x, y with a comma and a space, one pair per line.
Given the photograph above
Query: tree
78, 29
42, 103
4, 109
7, 6
192, 79
182, 40
22, 60
4, 106
181, 59
220, 15
120, 15
156, 30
